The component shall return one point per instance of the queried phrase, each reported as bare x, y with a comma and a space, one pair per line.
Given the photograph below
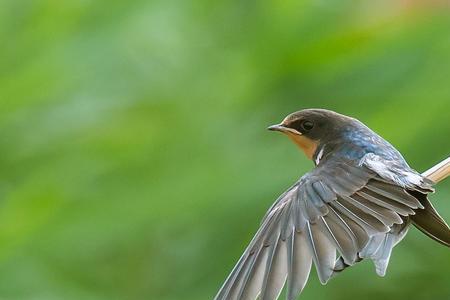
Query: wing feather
395, 193
276, 271
323, 252
255, 276
299, 264
387, 217
388, 203
341, 239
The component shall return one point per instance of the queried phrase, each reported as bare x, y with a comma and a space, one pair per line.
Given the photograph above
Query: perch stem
439, 172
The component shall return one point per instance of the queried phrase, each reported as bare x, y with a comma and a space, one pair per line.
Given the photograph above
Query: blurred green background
134, 160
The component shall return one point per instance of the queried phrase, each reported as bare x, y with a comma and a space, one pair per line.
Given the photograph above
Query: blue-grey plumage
357, 203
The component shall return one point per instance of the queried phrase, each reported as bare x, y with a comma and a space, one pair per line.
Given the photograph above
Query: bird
356, 204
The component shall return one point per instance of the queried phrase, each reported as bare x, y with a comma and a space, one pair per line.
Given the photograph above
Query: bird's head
310, 128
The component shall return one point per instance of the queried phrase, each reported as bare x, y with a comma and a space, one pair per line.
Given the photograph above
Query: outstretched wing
339, 208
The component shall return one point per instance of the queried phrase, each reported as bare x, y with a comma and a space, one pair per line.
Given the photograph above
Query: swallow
357, 203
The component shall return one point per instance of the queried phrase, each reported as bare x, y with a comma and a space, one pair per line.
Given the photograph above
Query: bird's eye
307, 125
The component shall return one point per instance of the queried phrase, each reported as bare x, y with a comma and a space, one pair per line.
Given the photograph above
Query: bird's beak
277, 127
284, 129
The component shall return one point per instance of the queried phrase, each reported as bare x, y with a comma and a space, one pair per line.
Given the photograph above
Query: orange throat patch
307, 145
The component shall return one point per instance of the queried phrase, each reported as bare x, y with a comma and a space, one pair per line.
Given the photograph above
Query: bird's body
357, 203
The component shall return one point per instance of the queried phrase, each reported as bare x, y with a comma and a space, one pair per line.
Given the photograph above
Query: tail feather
430, 222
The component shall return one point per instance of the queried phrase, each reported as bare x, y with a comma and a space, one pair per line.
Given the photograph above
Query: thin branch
439, 172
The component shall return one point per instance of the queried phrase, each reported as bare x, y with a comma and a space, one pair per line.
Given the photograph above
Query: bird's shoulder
359, 140
359, 146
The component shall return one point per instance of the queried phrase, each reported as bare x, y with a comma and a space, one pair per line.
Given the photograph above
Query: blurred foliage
134, 161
